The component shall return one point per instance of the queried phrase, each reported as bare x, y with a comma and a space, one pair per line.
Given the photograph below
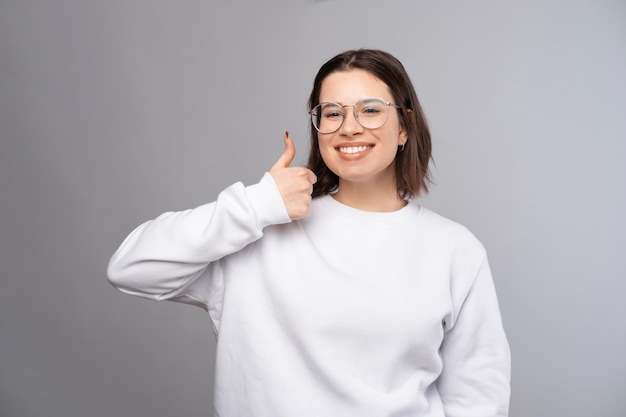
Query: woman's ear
404, 136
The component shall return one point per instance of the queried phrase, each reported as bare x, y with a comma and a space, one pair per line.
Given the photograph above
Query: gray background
112, 112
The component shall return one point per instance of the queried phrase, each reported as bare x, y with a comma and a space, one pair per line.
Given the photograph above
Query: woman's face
354, 153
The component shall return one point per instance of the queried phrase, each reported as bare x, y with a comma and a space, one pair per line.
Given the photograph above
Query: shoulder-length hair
412, 172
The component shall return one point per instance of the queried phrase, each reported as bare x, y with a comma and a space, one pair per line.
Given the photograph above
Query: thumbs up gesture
294, 183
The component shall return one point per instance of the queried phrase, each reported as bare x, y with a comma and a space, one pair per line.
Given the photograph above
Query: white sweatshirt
343, 313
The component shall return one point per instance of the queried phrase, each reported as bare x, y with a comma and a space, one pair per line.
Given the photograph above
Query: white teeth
353, 149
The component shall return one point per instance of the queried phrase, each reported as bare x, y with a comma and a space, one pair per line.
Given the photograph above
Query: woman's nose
350, 124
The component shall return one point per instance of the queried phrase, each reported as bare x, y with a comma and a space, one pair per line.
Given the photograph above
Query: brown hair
412, 173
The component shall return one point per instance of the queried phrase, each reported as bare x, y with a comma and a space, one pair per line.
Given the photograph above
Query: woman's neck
369, 197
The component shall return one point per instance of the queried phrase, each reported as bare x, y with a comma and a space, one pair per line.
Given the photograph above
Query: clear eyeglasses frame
371, 113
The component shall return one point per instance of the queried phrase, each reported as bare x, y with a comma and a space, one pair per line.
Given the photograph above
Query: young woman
330, 290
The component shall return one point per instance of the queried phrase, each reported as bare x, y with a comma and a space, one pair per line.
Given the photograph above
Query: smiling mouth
354, 149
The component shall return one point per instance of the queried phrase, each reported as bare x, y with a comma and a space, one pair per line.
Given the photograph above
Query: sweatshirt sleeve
475, 381
162, 257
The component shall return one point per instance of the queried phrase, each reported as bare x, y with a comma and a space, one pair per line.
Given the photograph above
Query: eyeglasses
371, 113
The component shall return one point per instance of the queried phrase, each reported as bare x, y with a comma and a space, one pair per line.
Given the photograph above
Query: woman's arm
164, 254
476, 377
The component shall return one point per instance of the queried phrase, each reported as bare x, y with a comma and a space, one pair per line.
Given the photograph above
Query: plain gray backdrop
112, 112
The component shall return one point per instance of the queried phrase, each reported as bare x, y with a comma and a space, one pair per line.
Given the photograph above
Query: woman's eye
370, 110
333, 114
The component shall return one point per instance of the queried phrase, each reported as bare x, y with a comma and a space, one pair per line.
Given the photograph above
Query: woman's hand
294, 183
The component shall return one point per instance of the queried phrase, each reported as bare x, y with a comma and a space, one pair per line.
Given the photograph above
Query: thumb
288, 154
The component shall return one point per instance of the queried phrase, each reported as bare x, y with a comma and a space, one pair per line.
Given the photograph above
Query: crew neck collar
410, 210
